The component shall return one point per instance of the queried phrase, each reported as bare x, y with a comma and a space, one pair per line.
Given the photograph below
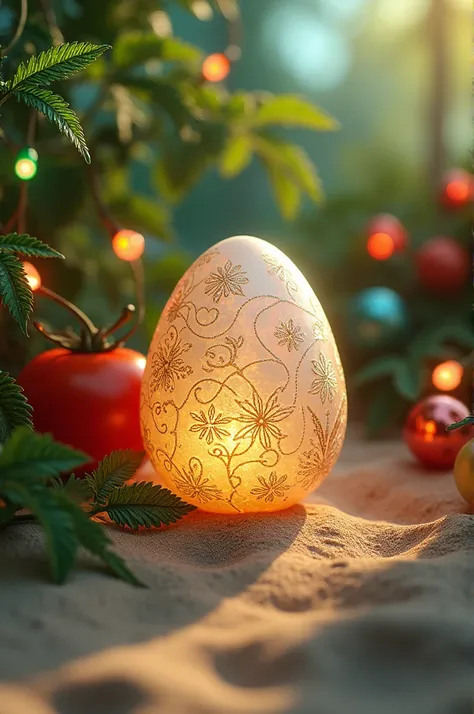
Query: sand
359, 602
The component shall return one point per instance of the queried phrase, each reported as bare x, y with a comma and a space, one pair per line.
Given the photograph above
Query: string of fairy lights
127, 244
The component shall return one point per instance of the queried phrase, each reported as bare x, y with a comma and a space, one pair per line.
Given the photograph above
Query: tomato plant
86, 391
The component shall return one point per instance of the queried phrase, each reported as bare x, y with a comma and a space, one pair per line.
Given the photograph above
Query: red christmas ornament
443, 265
457, 189
386, 236
425, 431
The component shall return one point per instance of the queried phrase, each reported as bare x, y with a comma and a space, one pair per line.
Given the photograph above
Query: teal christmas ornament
377, 317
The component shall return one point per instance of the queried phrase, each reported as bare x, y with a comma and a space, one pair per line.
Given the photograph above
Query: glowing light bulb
128, 245
216, 67
458, 190
32, 276
447, 376
380, 246
26, 164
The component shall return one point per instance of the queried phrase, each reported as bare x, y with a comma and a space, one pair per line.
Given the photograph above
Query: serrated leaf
112, 472
383, 367
55, 64
34, 456
134, 48
294, 111
236, 156
58, 111
145, 504
27, 245
93, 537
75, 489
14, 408
58, 527
409, 379
15, 292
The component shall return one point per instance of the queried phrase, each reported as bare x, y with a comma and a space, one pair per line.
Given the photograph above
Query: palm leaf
58, 111
14, 408
112, 472
318, 428
55, 64
15, 292
27, 245
32, 456
147, 505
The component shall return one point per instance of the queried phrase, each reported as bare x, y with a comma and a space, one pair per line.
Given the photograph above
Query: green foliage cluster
153, 128
388, 381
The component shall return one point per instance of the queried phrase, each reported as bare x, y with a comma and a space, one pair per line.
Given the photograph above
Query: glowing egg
243, 403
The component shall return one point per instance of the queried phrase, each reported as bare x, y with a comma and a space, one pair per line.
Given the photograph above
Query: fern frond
15, 292
27, 245
112, 472
14, 408
145, 504
55, 64
58, 111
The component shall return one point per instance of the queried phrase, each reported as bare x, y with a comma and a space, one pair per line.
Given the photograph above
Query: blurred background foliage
165, 145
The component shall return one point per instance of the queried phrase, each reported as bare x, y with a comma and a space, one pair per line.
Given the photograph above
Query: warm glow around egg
243, 402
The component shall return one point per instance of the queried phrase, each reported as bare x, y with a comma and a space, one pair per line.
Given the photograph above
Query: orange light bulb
447, 376
128, 245
216, 67
380, 246
458, 190
32, 276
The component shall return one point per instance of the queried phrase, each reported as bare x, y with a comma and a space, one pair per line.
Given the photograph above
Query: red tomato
89, 400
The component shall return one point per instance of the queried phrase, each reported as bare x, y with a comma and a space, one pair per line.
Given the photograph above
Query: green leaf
147, 505
27, 245
280, 157
6, 514
34, 456
58, 526
15, 292
58, 111
158, 93
467, 421
134, 48
75, 489
286, 191
55, 64
409, 379
93, 537
432, 341
14, 408
291, 110
384, 410
112, 472
383, 367
236, 156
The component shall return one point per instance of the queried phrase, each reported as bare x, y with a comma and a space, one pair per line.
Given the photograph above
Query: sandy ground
359, 602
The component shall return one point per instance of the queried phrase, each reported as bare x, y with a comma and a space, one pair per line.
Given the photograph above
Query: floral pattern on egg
244, 401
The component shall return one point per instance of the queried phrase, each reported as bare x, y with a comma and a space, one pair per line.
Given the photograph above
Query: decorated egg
243, 404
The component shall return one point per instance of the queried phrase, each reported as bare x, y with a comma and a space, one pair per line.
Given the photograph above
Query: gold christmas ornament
464, 472
243, 403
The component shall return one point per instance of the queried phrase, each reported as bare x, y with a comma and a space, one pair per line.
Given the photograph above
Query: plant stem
82, 317
19, 30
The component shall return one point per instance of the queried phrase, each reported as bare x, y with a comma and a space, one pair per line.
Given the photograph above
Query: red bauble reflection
425, 431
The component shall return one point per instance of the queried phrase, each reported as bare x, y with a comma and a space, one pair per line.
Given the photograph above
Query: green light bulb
26, 164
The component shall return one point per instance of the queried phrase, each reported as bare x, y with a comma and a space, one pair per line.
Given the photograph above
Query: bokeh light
458, 190
215, 68
398, 15
128, 245
447, 376
32, 276
380, 246
317, 55
26, 164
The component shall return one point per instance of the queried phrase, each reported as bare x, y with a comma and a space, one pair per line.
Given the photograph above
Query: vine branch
19, 29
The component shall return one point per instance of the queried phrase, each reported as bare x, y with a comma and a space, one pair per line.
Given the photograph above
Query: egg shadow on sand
189, 569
